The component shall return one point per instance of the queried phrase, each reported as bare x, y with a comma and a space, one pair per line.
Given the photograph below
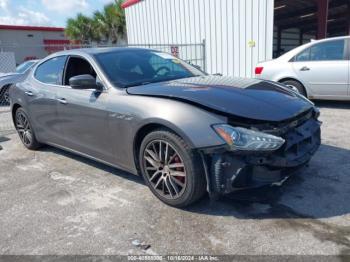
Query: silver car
8, 79
318, 70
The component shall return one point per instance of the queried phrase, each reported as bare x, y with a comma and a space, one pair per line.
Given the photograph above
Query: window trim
43, 62
345, 53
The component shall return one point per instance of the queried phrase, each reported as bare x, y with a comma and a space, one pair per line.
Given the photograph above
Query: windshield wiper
138, 84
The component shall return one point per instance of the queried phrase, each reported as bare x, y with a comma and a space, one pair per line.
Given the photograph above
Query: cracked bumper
229, 171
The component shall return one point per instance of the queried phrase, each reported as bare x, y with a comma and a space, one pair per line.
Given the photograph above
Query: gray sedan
150, 113
8, 79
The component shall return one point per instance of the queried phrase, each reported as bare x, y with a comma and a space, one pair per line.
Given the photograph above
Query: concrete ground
52, 202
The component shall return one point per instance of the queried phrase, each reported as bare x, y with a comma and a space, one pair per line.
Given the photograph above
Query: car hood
247, 98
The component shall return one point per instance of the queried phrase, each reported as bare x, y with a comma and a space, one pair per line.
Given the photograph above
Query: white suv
318, 70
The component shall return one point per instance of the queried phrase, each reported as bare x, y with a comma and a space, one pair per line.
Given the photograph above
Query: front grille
273, 128
302, 137
301, 143
283, 127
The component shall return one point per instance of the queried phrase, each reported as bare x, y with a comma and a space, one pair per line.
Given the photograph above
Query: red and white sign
175, 51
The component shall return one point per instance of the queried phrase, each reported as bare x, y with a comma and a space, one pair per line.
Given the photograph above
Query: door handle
305, 68
29, 93
62, 100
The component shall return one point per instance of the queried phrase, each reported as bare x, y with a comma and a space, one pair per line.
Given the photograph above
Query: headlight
239, 138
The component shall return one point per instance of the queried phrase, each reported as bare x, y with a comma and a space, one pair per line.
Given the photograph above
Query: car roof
331, 39
290, 54
100, 50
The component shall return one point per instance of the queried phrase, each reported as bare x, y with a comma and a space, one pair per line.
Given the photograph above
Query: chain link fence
19, 53
6, 124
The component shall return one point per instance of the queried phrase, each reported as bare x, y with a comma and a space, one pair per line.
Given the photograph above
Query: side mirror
84, 82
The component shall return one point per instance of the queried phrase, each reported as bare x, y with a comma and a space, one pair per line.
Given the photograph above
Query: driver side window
78, 66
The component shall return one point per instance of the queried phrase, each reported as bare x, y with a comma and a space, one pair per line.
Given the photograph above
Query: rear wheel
25, 130
172, 171
4, 96
295, 85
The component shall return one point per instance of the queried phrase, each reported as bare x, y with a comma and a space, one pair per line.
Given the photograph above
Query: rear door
41, 93
324, 69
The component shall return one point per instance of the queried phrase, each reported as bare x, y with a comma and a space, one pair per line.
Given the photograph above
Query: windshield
138, 67
24, 66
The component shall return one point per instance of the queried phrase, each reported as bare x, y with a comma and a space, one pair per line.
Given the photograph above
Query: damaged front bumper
229, 171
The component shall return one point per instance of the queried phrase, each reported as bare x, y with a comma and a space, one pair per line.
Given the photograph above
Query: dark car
8, 79
150, 113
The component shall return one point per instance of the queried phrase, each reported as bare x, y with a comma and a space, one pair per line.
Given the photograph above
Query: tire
295, 85
4, 96
180, 176
25, 130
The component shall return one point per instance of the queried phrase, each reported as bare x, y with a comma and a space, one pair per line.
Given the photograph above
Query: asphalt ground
53, 202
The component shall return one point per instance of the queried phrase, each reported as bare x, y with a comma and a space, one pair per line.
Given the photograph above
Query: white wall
27, 43
227, 26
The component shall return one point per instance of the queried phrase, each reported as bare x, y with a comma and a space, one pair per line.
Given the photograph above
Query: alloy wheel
7, 97
294, 88
165, 169
23, 128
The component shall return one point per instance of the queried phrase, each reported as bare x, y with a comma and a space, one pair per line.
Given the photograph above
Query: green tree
111, 22
82, 28
109, 25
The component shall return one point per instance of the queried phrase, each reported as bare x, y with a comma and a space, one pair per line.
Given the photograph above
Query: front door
83, 114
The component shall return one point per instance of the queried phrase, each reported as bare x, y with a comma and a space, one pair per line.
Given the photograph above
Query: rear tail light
258, 70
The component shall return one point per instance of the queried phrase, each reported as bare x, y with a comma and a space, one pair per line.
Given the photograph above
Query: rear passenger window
327, 51
51, 71
303, 56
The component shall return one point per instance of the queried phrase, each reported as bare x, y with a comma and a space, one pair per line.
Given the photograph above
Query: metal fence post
204, 56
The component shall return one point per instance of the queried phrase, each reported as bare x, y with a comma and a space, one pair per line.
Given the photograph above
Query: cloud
4, 5
105, 2
65, 6
25, 17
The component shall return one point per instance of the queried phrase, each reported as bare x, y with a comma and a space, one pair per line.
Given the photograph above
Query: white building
238, 33
31, 42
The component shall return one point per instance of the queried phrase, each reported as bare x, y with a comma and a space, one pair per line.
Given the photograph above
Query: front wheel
172, 171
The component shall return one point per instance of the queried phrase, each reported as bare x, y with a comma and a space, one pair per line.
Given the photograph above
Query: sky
46, 12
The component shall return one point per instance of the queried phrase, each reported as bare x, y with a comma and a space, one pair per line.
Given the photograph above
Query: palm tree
82, 28
101, 25
111, 22
108, 25
121, 21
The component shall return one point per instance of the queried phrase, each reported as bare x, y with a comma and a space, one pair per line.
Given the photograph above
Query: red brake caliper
180, 178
